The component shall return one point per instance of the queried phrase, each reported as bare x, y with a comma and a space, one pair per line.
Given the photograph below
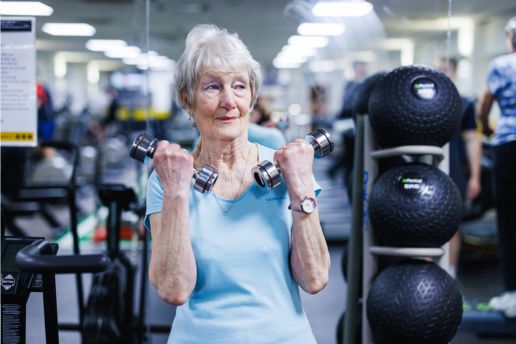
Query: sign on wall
18, 112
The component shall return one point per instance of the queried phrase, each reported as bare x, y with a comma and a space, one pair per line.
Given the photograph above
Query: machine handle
39, 257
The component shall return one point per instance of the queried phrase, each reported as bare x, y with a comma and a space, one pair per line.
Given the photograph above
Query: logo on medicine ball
423, 88
413, 184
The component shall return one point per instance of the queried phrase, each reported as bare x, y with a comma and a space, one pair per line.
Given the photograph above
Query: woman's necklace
227, 210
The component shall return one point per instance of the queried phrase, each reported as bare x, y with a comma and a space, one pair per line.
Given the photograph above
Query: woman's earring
194, 124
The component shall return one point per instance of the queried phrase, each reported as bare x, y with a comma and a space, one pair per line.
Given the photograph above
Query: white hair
208, 46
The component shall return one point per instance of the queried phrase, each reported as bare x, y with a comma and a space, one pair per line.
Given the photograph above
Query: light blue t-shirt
245, 292
501, 82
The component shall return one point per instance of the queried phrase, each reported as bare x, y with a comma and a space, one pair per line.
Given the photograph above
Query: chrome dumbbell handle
145, 145
267, 175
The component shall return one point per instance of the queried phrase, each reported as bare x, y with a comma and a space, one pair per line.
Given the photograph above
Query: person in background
261, 114
262, 129
360, 71
45, 113
501, 87
233, 259
318, 108
46, 119
465, 155
100, 128
344, 161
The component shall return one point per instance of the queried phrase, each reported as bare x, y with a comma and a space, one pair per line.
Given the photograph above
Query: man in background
501, 87
465, 155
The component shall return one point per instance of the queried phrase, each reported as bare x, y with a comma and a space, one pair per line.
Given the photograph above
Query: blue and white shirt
501, 82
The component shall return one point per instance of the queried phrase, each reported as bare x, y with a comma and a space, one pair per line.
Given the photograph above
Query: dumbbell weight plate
321, 140
205, 178
144, 146
267, 175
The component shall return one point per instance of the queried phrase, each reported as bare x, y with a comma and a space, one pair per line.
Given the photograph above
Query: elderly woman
233, 258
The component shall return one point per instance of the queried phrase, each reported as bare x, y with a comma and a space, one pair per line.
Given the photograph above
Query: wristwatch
307, 205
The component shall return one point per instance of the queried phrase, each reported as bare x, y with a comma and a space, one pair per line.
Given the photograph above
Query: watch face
308, 205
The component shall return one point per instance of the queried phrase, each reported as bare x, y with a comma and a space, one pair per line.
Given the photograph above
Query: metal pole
355, 239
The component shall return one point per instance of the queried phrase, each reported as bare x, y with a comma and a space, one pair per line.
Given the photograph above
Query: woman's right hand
174, 166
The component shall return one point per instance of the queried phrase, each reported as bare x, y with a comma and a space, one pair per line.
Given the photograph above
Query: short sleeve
495, 79
154, 197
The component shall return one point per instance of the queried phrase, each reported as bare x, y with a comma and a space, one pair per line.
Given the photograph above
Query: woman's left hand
295, 161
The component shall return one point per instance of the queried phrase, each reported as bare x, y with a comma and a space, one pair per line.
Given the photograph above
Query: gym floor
478, 275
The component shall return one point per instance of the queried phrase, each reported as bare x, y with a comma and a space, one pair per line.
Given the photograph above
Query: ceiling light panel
104, 44
25, 8
68, 29
342, 9
321, 29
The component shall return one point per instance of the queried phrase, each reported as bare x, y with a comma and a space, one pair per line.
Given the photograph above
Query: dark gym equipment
363, 92
110, 316
144, 146
414, 105
416, 205
25, 200
267, 175
29, 265
342, 321
414, 301
382, 263
22, 197
56, 170
113, 151
486, 323
355, 244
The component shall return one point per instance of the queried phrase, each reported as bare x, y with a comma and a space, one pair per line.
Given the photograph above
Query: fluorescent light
342, 9
68, 29
321, 29
93, 72
123, 52
291, 56
25, 8
298, 50
151, 60
291, 59
104, 44
312, 41
322, 66
282, 64
59, 66
164, 64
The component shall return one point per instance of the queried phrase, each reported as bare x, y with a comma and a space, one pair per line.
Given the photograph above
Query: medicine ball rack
362, 242
370, 250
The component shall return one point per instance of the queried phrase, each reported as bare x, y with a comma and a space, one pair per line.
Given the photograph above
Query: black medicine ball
414, 301
363, 92
415, 205
414, 105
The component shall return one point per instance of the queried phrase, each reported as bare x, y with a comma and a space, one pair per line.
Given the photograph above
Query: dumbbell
266, 174
144, 146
